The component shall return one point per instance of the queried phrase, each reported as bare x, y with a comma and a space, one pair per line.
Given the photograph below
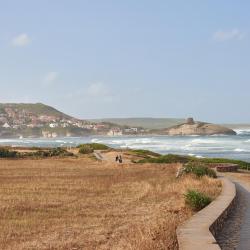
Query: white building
114, 132
131, 130
53, 125
65, 125
6, 125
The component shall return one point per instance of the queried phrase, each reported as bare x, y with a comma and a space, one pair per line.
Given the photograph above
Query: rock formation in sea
191, 127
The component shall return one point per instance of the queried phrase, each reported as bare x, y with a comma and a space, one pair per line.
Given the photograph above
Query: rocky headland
191, 127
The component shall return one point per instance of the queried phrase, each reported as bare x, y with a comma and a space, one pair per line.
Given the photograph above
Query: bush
50, 153
95, 146
197, 200
86, 149
170, 158
6, 153
242, 164
199, 170
144, 153
59, 152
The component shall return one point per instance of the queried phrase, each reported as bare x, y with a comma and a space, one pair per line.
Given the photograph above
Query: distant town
39, 120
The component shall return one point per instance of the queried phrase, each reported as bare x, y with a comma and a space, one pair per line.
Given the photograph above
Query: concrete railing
198, 233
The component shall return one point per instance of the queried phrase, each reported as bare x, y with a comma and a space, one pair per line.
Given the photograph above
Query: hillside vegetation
35, 108
40, 120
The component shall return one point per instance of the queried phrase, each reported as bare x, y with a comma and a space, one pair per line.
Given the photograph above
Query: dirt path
98, 155
236, 231
110, 156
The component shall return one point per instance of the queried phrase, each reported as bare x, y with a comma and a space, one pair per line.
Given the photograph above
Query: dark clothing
117, 158
120, 159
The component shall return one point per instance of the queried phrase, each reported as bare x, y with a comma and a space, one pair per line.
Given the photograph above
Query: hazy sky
127, 58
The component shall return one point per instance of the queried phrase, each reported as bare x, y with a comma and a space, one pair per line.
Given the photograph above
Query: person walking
117, 158
120, 159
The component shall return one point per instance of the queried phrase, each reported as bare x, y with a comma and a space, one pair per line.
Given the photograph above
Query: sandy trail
110, 156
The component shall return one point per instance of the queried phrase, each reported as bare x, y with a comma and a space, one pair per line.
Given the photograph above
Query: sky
144, 58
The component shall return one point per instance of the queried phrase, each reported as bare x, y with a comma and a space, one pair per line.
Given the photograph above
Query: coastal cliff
198, 128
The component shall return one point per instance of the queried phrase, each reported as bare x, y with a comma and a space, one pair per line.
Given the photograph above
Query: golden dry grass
83, 204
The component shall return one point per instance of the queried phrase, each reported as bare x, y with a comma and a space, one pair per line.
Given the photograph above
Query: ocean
234, 147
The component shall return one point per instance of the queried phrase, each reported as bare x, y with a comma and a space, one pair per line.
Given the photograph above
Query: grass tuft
86, 149
197, 200
144, 153
199, 170
6, 153
40, 153
171, 158
94, 146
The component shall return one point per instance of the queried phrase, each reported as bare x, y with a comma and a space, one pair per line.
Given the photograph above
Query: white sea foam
204, 141
242, 131
60, 141
199, 156
7, 140
95, 140
241, 150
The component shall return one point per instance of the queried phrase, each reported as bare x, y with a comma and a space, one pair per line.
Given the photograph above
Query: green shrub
49, 153
95, 146
170, 158
86, 149
197, 200
242, 164
144, 153
199, 170
59, 152
6, 153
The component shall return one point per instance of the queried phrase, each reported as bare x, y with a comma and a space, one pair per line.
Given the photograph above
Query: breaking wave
242, 131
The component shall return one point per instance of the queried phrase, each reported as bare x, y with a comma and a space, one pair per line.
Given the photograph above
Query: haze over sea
234, 147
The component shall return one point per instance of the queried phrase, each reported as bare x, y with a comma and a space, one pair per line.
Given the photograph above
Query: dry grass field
78, 203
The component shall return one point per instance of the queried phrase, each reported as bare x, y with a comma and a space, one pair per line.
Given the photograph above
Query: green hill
34, 108
40, 120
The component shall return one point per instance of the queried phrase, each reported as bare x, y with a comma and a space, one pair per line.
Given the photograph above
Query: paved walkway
98, 155
110, 156
236, 232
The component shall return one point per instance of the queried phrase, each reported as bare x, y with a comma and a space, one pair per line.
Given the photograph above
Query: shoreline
233, 147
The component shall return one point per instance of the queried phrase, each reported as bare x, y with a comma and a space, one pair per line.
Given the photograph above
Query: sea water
234, 147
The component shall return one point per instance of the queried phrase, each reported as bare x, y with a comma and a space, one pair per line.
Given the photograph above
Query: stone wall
227, 167
199, 232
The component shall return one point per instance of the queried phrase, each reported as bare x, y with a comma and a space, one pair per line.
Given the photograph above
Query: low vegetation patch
40, 153
50, 153
6, 153
199, 170
172, 158
94, 146
197, 200
241, 164
85, 149
144, 153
